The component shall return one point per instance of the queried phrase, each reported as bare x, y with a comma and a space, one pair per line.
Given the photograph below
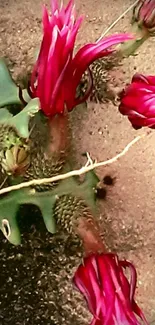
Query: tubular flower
109, 295
138, 101
58, 72
144, 15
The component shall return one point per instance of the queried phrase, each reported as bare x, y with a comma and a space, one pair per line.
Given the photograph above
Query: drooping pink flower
138, 101
57, 72
144, 14
108, 292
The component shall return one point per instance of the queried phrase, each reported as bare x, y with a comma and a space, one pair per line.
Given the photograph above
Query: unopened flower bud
143, 26
15, 160
144, 15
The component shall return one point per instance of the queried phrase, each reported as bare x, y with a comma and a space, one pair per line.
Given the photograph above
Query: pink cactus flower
108, 292
58, 71
138, 101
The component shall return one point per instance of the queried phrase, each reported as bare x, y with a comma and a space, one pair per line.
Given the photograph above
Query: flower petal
107, 290
57, 74
138, 101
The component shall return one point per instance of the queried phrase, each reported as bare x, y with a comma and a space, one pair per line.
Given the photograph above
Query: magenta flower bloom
138, 101
109, 294
144, 14
58, 71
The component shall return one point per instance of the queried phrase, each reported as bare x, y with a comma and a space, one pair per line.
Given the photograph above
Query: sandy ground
127, 214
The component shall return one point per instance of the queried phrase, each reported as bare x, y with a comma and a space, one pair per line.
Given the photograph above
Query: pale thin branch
117, 20
78, 172
2, 184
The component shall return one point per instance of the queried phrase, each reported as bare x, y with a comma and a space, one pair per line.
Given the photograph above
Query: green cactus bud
15, 160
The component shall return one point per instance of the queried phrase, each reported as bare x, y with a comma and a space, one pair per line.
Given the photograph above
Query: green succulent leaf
45, 201
21, 120
9, 92
5, 115
26, 95
10, 204
8, 223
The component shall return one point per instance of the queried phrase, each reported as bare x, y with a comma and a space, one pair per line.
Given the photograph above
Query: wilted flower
144, 15
109, 294
138, 101
58, 71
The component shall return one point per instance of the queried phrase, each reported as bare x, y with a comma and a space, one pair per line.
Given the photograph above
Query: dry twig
85, 169
117, 20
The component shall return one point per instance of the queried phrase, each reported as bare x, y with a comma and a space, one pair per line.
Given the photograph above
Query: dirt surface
30, 293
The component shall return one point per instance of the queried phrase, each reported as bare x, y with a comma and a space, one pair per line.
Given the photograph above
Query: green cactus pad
20, 121
46, 202
9, 92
